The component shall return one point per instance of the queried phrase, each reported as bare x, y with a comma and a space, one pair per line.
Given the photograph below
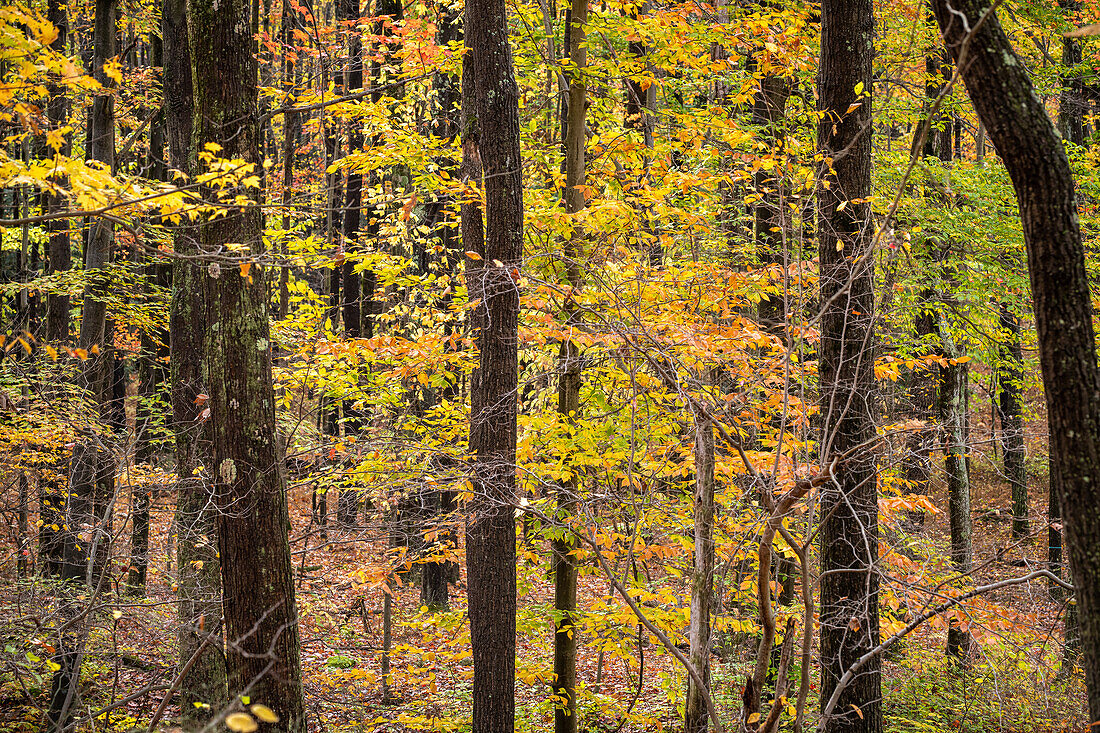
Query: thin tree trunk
154, 349
292, 130
1073, 103
569, 377
436, 575
1010, 409
849, 508
351, 298
59, 252
953, 409
696, 715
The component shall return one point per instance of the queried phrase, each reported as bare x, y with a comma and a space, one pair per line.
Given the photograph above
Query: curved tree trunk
1033, 153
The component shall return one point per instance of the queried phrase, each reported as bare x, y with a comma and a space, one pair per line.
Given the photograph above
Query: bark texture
702, 578
491, 143
261, 619
954, 403
849, 507
1010, 376
569, 377
1033, 153
202, 655
59, 252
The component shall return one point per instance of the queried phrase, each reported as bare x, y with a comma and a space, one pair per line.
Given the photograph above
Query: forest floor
1015, 680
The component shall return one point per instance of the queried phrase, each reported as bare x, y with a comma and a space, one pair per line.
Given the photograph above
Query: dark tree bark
953, 411
849, 508
351, 299
292, 132
491, 139
1010, 377
261, 615
939, 70
922, 392
768, 108
1073, 103
347, 13
154, 355
1034, 155
437, 574
202, 656
91, 471
59, 252
93, 484
52, 496
569, 375
640, 114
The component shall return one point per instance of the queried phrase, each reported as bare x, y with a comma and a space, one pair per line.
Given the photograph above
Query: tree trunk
1073, 104
953, 409
436, 576
201, 662
569, 377
702, 578
91, 484
849, 508
59, 252
491, 138
261, 615
154, 353
347, 14
1033, 153
52, 493
768, 113
292, 131
1010, 410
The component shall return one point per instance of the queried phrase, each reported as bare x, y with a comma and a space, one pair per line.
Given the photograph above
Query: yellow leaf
473, 255
51, 352
113, 69
245, 267
858, 711
46, 34
264, 713
754, 718
241, 723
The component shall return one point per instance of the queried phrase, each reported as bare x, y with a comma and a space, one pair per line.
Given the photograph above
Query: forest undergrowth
1016, 681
